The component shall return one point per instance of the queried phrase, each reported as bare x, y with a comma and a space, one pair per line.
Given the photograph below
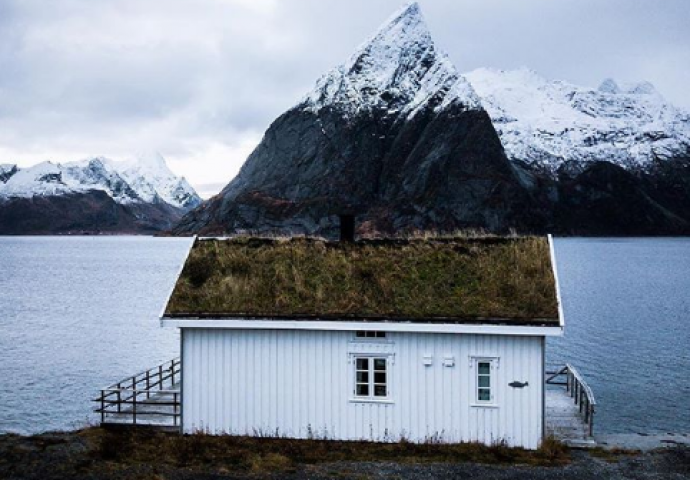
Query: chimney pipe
347, 228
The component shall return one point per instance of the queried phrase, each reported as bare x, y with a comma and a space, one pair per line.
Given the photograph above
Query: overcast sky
200, 81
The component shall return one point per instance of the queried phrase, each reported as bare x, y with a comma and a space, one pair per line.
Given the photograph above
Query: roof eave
349, 325
552, 251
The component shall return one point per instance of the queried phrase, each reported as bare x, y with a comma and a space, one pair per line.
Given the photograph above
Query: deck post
148, 384
175, 408
102, 406
119, 401
160, 377
134, 407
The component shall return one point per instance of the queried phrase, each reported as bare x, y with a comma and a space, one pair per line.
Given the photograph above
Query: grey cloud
174, 74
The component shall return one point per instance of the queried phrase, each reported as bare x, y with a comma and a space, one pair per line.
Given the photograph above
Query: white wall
300, 383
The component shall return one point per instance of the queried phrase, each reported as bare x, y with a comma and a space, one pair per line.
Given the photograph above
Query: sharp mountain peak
398, 68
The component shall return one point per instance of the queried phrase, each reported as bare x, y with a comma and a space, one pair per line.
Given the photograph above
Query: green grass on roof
461, 278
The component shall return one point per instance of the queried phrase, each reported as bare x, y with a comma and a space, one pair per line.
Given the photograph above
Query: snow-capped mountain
149, 176
394, 134
398, 137
96, 195
399, 68
549, 124
138, 181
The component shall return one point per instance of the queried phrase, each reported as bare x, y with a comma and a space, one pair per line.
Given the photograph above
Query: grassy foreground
100, 453
97, 454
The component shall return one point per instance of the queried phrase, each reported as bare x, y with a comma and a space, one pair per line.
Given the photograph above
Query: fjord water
627, 316
79, 313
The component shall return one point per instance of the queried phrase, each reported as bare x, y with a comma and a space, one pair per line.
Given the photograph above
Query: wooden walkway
570, 407
151, 399
563, 419
160, 410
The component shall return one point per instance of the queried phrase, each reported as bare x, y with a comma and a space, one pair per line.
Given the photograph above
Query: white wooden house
424, 352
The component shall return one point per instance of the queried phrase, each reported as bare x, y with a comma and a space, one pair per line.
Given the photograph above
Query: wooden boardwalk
570, 407
151, 398
160, 410
564, 420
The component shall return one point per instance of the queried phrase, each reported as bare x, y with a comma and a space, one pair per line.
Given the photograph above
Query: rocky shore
98, 454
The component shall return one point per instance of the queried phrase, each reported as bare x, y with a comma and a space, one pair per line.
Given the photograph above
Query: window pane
381, 334
363, 390
380, 391
360, 334
484, 395
362, 377
484, 381
484, 368
380, 364
380, 377
362, 364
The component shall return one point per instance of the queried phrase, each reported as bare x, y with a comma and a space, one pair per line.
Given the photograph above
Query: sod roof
503, 280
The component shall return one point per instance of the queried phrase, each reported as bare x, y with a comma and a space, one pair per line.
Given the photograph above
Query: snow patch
548, 123
399, 68
143, 179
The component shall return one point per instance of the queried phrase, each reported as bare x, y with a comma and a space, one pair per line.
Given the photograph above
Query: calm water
627, 314
77, 314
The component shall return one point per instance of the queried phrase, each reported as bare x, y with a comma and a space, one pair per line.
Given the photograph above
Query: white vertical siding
299, 383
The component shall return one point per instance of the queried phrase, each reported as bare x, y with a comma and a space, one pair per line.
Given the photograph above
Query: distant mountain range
398, 137
96, 195
555, 126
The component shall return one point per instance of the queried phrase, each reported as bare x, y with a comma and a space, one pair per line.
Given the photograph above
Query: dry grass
270, 455
417, 278
612, 455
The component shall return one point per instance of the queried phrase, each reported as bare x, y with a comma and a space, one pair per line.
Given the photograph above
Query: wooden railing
148, 395
578, 389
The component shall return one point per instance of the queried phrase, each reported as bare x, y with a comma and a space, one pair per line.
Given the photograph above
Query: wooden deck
563, 419
152, 399
570, 407
160, 410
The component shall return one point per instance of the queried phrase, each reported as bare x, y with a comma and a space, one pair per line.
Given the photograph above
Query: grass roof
417, 279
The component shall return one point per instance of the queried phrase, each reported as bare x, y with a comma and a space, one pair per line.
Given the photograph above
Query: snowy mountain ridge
399, 69
145, 179
551, 124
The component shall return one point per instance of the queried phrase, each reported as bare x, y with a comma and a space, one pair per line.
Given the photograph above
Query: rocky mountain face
395, 135
94, 195
399, 138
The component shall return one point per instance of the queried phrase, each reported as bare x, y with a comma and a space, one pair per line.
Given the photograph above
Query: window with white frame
371, 378
485, 380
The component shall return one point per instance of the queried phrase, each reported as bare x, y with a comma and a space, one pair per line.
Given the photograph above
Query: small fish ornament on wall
518, 384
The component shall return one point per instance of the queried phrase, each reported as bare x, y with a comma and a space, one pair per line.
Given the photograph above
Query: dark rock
92, 212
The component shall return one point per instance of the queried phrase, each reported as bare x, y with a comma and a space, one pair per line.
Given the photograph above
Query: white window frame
494, 365
376, 336
371, 397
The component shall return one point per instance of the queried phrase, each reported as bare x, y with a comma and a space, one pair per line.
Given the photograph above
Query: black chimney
347, 228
